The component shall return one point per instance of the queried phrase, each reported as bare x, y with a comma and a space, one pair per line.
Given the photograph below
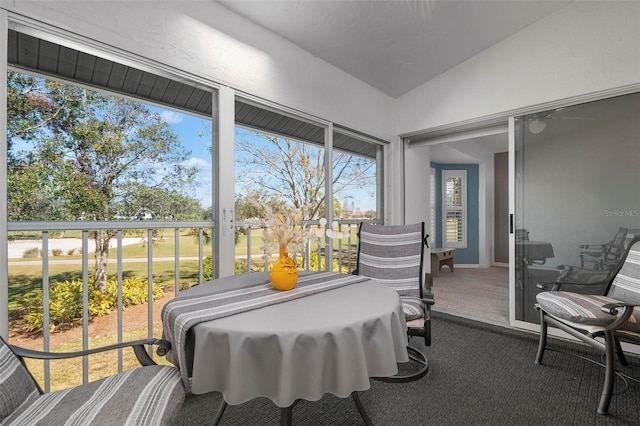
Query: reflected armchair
603, 255
613, 316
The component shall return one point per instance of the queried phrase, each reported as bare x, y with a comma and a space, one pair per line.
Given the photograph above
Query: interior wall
584, 48
581, 182
417, 189
416, 185
205, 39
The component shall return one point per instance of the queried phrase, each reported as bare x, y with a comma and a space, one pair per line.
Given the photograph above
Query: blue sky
195, 135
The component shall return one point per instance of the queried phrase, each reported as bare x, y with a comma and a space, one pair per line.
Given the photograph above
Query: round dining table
329, 342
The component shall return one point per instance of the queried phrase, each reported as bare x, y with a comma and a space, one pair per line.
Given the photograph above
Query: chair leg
221, 408
286, 416
427, 328
621, 357
543, 338
419, 359
610, 373
360, 407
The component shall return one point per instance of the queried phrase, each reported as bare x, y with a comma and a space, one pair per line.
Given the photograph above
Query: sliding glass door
577, 174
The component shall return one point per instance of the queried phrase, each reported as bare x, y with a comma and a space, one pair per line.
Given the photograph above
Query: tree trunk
102, 259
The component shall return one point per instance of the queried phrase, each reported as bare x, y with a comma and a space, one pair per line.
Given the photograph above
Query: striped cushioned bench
151, 395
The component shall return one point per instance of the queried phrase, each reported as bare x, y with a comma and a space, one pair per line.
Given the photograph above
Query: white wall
584, 48
417, 160
204, 38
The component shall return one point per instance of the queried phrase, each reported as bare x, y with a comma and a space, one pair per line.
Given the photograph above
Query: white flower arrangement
333, 232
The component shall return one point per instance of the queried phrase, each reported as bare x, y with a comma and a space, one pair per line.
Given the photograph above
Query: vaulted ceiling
392, 45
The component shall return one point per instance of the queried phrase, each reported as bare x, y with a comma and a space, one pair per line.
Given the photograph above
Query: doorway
479, 288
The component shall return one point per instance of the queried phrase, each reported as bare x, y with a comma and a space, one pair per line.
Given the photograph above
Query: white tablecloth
330, 342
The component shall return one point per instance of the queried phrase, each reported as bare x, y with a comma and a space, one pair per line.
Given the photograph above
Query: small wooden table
439, 257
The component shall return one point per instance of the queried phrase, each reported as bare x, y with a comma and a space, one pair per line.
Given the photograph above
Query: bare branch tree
295, 171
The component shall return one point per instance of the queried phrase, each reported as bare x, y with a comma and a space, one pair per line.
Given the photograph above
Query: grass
68, 373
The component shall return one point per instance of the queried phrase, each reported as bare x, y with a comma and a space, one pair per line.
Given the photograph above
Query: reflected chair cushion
583, 309
413, 307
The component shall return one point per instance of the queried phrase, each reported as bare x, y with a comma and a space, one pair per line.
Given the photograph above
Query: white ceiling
457, 152
383, 44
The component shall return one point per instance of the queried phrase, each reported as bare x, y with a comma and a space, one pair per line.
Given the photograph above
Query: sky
195, 135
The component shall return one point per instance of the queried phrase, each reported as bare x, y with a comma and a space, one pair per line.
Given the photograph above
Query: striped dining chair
394, 255
614, 316
151, 395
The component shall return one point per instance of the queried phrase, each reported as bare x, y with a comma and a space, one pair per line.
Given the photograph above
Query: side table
439, 257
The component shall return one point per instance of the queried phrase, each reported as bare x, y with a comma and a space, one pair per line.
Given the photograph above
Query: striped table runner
182, 313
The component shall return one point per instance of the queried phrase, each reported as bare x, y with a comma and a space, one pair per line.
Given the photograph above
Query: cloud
172, 117
204, 181
198, 163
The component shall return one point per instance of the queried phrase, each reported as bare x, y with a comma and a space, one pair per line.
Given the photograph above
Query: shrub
65, 302
313, 264
240, 267
32, 252
207, 269
56, 252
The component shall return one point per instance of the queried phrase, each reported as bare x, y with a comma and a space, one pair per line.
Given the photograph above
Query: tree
295, 171
247, 205
86, 154
161, 204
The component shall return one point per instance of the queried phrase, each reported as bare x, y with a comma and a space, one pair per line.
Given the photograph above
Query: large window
93, 139
454, 208
281, 161
109, 179
357, 176
80, 154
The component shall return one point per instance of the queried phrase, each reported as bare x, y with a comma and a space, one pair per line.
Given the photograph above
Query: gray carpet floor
479, 374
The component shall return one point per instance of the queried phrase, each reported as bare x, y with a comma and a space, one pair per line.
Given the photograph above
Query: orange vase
284, 274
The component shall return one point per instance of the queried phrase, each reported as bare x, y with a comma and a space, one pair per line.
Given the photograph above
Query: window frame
462, 241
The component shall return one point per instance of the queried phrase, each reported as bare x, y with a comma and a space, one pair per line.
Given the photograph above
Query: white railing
86, 227
343, 252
